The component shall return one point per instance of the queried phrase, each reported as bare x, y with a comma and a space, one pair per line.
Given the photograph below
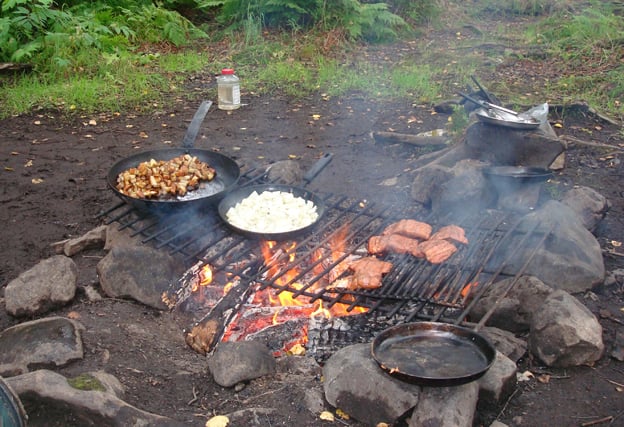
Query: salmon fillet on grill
437, 251
368, 273
450, 232
395, 244
409, 228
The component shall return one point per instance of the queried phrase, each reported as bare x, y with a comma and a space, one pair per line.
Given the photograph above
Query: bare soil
53, 186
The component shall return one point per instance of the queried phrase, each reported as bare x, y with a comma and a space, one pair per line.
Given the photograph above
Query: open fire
270, 307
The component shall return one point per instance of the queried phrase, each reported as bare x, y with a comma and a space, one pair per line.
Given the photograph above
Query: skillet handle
193, 129
317, 168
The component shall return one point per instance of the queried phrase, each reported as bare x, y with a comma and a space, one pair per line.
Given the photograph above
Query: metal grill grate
413, 289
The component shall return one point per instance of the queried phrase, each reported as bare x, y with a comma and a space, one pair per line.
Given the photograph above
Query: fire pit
229, 273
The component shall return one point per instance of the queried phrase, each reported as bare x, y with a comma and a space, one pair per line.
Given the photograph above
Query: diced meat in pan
409, 228
395, 244
437, 251
450, 232
368, 273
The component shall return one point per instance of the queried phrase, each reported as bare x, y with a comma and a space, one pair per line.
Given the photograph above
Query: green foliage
359, 20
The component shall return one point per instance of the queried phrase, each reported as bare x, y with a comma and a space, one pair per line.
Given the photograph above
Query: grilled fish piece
409, 228
450, 232
396, 244
437, 251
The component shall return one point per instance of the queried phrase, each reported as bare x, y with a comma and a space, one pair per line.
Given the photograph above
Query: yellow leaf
292, 156
342, 414
8, 169
28, 164
326, 416
544, 378
316, 116
92, 122
297, 350
143, 135
558, 125
36, 180
218, 421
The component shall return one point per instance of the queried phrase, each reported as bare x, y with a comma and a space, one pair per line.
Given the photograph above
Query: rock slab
49, 284
53, 341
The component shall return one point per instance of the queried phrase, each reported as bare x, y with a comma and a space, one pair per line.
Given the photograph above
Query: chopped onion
272, 212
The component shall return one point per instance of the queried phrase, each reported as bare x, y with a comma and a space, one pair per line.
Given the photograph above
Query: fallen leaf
92, 122
389, 182
383, 425
544, 378
218, 421
73, 315
297, 350
558, 125
342, 414
8, 169
316, 116
28, 164
327, 416
15, 153
525, 376
292, 156
616, 244
37, 180
37, 122
143, 135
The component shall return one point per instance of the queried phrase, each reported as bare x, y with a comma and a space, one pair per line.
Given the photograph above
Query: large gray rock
356, 384
504, 146
513, 312
465, 192
138, 272
54, 341
428, 181
590, 206
571, 258
565, 333
499, 381
92, 406
235, 362
446, 406
506, 342
49, 284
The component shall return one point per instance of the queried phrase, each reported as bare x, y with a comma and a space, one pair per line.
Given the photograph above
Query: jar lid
227, 71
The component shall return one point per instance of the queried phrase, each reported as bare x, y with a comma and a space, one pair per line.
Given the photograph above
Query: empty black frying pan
227, 172
433, 353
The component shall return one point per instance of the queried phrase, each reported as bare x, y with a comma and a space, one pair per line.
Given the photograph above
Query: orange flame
468, 288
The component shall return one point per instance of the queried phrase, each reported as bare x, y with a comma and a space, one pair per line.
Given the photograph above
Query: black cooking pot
226, 177
433, 353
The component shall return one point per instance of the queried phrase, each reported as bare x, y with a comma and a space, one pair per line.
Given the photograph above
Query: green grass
298, 64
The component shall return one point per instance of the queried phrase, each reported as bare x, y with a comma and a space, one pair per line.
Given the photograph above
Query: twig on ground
608, 419
507, 403
194, 399
252, 398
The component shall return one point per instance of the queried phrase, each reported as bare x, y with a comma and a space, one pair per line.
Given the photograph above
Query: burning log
206, 333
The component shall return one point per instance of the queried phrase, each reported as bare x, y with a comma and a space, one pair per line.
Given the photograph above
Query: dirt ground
53, 186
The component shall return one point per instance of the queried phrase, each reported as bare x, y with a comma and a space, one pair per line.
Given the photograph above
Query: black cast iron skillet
433, 353
227, 172
236, 196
